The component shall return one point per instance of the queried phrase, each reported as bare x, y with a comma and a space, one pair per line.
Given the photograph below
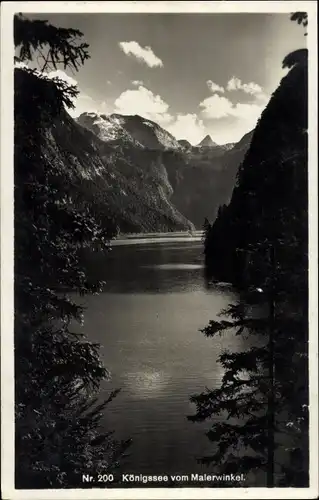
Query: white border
6, 183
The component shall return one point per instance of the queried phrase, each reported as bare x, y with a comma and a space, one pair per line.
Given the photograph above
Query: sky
193, 74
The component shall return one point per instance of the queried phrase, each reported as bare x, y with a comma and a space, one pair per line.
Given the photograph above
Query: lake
148, 320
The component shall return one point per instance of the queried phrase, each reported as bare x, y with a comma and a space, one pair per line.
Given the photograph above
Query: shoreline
142, 238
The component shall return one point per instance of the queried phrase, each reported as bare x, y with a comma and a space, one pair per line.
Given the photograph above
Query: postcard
159, 250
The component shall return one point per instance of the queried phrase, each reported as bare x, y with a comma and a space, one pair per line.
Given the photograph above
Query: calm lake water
148, 321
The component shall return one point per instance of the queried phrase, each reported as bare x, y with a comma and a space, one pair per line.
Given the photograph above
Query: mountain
124, 183
207, 142
108, 129
228, 145
133, 130
135, 173
203, 180
269, 201
185, 144
192, 173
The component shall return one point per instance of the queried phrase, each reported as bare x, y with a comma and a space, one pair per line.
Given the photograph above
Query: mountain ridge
127, 187
189, 173
207, 142
133, 129
271, 193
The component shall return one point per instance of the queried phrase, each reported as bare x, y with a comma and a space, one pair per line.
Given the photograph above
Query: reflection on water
165, 238
172, 267
148, 320
152, 267
146, 384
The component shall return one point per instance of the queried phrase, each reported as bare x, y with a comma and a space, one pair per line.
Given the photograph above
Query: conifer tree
57, 371
260, 411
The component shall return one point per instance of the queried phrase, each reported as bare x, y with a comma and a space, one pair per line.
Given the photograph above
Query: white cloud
214, 87
137, 83
251, 88
21, 65
143, 102
216, 106
51, 74
62, 76
188, 127
85, 104
82, 102
248, 112
143, 54
244, 115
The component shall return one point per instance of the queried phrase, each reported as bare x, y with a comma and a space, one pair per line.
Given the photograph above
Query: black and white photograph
162, 330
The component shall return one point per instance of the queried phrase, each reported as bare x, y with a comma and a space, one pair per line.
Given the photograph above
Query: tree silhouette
53, 46
301, 18
262, 238
261, 396
57, 371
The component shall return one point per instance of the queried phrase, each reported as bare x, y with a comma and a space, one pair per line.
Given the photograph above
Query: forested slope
269, 201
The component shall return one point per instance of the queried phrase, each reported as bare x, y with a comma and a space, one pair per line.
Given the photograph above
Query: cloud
251, 88
142, 54
143, 102
21, 65
242, 117
217, 107
62, 76
188, 127
247, 112
83, 102
80, 99
51, 74
137, 83
214, 87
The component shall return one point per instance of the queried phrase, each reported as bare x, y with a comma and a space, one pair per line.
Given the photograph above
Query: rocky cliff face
135, 173
134, 130
127, 187
195, 179
185, 144
201, 180
269, 201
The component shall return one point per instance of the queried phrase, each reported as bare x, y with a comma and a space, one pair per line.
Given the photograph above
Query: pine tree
262, 399
301, 18
263, 394
58, 372
206, 228
51, 45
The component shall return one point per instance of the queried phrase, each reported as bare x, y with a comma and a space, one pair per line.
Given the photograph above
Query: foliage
58, 372
262, 399
206, 228
203, 179
301, 18
52, 45
269, 199
260, 243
